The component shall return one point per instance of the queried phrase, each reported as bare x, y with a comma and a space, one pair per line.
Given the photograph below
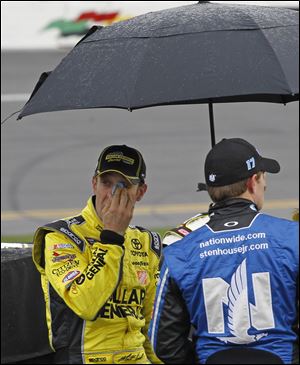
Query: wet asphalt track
47, 160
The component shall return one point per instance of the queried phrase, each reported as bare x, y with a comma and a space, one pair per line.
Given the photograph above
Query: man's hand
118, 211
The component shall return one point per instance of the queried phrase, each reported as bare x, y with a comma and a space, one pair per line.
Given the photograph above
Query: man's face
103, 185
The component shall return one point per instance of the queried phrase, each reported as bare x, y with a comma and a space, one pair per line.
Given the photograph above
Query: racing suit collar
236, 205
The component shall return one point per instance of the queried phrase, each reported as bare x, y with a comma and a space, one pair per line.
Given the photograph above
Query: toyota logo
136, 244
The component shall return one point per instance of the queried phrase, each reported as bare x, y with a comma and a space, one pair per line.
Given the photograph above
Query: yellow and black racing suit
99, 295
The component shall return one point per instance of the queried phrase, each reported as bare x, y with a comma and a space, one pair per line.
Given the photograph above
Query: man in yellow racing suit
98, 273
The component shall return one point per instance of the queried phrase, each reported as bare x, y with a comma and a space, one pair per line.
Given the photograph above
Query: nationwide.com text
233, 239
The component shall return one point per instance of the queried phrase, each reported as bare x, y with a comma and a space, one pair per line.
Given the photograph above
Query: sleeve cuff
111, 237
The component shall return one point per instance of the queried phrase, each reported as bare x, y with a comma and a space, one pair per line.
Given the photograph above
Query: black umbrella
200, 53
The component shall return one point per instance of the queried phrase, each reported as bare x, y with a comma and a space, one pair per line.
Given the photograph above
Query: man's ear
141, 191
251, 183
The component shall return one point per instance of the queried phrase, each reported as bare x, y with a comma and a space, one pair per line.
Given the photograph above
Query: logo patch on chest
142, 276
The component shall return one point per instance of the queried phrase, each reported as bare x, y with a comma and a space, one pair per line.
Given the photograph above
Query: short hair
219, 193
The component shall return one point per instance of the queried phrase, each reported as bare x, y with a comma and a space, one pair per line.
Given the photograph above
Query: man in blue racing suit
235, 278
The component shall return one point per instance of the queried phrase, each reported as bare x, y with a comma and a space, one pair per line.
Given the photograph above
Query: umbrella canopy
201, 53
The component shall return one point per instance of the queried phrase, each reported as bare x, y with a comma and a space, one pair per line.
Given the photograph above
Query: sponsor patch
58, 246
128, 357
138, 253
75, 220
142, 276
136, 244
67, 257
140, 263
98, 261
156, 244
80, 279
71, 235
183, 231
65, 268
99, 359
74, 289
70, 275
63, 226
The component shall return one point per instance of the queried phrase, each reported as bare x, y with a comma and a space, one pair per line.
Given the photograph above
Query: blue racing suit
235, 281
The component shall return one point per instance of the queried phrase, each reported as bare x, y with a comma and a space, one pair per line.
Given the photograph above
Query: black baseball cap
234, 159
125, 160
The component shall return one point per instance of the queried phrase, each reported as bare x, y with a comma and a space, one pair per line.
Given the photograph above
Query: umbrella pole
211, 122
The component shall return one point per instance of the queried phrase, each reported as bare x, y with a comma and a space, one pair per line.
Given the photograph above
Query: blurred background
47, 160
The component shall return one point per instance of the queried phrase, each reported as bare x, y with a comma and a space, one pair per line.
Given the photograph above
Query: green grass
161, 231
28, 237
17, 238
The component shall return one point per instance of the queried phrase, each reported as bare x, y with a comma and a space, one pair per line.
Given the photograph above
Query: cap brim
130, 179
202, 187
270, 165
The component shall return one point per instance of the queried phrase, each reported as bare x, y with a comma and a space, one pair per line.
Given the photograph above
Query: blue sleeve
170, 325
